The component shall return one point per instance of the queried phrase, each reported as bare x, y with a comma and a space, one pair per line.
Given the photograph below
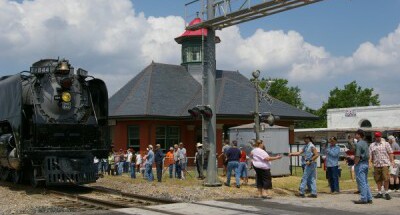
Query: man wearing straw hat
199, 160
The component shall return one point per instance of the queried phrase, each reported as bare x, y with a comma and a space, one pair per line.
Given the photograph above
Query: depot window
133, 136
167, 136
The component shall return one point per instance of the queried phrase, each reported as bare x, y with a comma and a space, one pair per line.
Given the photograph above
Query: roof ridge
239, 82
186, 107
142, 75
220, 94
165, 64
149, 91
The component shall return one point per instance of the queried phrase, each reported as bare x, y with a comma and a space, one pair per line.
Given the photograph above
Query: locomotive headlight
66, 97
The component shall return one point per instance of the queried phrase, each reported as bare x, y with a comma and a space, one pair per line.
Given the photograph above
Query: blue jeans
104, 166
309, 177
303, 166
333, 177
149, 172
133, 171
120, 168
233, 165
361, 170
171, 169
178, 169
159, 166
126, 166
243, 169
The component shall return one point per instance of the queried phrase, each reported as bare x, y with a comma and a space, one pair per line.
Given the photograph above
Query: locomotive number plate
66, 105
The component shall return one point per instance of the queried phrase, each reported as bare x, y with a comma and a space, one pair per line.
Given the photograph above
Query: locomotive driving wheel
16, 176
4, 172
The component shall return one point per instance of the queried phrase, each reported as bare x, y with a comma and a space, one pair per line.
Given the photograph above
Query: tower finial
197, 14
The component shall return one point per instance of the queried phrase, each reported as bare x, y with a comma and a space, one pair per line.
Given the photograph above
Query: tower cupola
192, 48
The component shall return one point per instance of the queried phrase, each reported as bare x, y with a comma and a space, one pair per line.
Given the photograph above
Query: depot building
152, 108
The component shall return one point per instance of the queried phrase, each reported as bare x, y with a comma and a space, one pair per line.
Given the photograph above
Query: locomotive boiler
53, 121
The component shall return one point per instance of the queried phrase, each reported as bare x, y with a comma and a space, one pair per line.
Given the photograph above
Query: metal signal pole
227, 15
209, 84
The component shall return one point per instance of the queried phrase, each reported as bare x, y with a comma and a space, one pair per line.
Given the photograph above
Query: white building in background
385, 116
342, 122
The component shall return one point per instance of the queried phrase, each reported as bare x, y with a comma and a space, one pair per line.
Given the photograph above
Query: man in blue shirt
332, 164
149, 164
310, 154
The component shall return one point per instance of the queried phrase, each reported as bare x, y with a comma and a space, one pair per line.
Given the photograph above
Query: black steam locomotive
53, 121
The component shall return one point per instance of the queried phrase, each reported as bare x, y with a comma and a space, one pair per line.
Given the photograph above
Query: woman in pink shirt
262, 166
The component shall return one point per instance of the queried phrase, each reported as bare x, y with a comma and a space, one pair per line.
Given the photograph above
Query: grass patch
345, 181
290, 183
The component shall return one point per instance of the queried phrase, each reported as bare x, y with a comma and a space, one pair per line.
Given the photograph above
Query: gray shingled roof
169, 91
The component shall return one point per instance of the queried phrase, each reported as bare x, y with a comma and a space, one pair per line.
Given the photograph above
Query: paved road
324, 204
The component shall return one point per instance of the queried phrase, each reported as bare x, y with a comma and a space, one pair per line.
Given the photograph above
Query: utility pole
256, 82
262, 94
209, 84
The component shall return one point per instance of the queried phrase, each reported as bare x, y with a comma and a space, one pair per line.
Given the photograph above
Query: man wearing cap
361, 168
381, 157
310, 154
199, 160
394, 170
169, 160
149, 163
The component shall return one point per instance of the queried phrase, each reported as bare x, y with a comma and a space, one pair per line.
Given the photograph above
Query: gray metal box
275, 138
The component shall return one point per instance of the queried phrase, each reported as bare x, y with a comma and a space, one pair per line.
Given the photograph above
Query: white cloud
269, 50
104, 37
112, 40
287, 55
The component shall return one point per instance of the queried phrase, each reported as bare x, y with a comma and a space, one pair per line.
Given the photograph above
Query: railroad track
99, 198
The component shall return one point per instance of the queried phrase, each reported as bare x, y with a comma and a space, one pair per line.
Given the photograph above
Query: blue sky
339, 25
317, 47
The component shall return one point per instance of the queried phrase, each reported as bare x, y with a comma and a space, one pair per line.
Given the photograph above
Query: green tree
351, 96
280, 90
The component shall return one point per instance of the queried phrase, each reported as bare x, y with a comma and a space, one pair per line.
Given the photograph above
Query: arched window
365, 124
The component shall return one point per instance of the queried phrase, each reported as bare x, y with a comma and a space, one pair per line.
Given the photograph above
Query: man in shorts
381, 157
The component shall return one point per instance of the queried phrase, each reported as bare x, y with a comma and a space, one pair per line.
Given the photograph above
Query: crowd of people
361, 157
129, 161
236, 160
